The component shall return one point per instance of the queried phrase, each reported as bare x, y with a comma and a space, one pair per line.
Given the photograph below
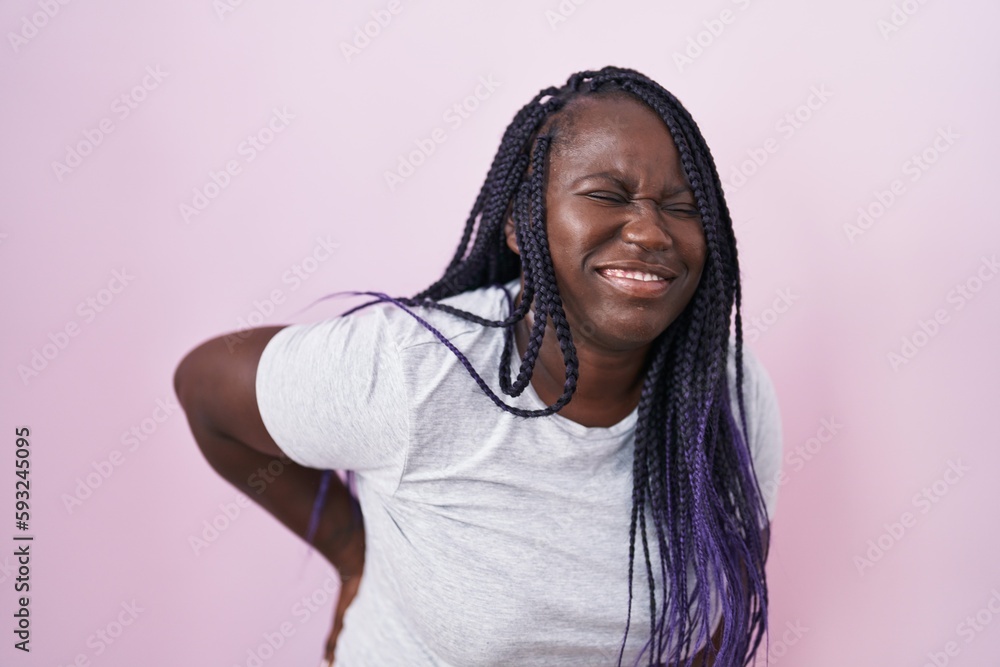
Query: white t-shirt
492, 539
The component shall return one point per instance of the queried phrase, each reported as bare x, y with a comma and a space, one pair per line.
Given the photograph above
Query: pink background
849, 301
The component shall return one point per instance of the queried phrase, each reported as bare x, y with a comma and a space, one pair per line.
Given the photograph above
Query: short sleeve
332, 395
764, 425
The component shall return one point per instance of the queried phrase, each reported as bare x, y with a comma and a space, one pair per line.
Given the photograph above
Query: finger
327, 658
328, 653
331, 644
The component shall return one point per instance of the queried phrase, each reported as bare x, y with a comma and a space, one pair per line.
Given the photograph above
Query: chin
621, 333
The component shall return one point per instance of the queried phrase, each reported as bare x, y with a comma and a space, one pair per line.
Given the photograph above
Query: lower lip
639, 288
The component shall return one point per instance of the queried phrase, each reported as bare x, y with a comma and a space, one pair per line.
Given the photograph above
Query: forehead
618, 133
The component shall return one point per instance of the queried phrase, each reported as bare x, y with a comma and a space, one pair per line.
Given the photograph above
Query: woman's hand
350, 564
348, 589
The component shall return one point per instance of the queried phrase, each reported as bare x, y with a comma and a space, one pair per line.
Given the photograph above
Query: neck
609, 382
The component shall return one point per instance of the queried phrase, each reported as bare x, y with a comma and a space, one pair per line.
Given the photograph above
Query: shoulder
764, 437
411, 326
757, 385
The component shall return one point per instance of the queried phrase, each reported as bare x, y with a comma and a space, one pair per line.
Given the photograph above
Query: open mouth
636, 283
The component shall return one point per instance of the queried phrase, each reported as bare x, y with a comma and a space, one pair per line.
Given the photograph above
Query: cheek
572, 235
692, 248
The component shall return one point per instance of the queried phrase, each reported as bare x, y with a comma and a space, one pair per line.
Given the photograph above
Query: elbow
187, 388
200, 395
190, 389
183, 381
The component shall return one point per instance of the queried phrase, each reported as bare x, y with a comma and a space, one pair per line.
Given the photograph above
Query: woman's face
618, 203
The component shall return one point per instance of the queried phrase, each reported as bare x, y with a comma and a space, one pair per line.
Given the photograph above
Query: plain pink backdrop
884, 79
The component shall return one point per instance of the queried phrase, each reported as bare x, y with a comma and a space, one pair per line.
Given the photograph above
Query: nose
646, 227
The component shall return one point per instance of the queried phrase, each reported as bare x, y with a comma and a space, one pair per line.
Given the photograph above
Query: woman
533, 520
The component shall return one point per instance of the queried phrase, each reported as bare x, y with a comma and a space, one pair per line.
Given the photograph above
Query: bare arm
215, 384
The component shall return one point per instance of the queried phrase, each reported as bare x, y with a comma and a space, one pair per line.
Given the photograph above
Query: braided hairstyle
693, 475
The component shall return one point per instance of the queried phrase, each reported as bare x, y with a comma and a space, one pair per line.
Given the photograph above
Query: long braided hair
693, 475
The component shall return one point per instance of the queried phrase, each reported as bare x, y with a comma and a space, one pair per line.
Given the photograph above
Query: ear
508, 230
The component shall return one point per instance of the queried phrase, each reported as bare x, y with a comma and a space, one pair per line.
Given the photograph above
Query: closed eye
607, 196
681, 210
686, 211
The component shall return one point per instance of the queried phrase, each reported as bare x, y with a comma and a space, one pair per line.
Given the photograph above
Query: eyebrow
614, 176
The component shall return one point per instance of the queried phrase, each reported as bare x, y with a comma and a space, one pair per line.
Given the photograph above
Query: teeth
634, 275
